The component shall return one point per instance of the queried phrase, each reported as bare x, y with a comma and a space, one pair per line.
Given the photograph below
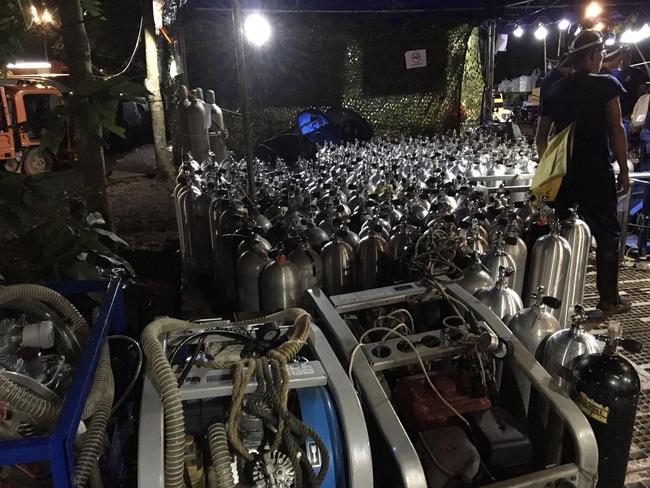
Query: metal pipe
244, 92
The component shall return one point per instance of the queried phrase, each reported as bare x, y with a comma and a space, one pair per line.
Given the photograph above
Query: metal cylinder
339, 266
501, 299
475, 278
248, 269
498, 258
197, 132
309, 266
373, 261
516, 248
279, 285
578, 235
225, 257
316, 236
549, 267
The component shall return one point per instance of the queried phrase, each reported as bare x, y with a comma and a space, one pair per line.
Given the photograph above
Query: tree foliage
12, 31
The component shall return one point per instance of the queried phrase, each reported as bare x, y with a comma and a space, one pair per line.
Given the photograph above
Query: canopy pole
489, 82
244, 92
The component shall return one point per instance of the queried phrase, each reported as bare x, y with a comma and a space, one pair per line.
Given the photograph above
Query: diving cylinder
309, 264
373, 262
279, 284
475, 277
202, 238
198, 134
499, 258
186, 198
532, 326
401, 247
216, 129
516, 248
501, 299
181, 115
549, 266
316, 236
606, 387
561, 352
248, 269
578, 235
339, 266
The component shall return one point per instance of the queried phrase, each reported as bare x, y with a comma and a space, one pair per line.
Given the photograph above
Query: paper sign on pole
417, 58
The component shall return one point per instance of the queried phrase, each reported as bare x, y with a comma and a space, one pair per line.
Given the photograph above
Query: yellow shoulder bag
553, 164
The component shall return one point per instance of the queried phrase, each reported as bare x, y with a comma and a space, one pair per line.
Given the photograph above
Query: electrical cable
225, 333
190, 363
420, 361
135, 50
136, 375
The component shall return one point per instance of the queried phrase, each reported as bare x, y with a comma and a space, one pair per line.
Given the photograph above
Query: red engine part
421, 409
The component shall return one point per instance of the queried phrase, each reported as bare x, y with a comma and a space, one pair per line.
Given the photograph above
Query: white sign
502, 42
416, 58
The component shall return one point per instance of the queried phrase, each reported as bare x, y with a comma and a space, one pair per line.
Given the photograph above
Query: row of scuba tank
352, 218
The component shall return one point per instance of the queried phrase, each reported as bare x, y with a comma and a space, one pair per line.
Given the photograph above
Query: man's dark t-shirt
581, 97
545, 90
631, 79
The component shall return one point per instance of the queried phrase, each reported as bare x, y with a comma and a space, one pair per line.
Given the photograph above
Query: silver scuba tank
532, 326
549, 265
475, 278
373, 261
578, 235
339, 266
498, 258
501, 299
279, 284
316, 236
309, 265
516, 248
248, 269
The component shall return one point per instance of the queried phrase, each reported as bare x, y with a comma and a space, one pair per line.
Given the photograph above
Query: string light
610, 41
600, 26
518, 32
564, 24
541, 33
593, 10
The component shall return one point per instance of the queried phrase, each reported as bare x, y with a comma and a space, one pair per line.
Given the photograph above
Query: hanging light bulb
610, 41
593, 10
600, 26
518, 32
257, 29
564, 24
541, 33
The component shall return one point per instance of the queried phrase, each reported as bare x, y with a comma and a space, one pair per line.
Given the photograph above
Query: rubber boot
607, 265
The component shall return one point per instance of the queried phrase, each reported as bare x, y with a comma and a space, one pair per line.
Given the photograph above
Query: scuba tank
279, 284
309, 265
316, 236
475, 277
549, 265
248, 269
516, 248
561, 352
373, 262
578, 235
532, 326
502, 300
606, 387
498, 258
339, 266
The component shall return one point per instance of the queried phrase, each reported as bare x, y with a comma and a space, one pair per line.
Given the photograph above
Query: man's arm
544, 124
618, 142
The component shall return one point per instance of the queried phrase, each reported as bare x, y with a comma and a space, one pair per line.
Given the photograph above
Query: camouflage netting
472, 91
325, 61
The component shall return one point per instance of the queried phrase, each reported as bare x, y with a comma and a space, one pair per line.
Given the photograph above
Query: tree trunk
77, 53
164, 163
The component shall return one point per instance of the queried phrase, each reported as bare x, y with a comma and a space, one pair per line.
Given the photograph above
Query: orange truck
21, 104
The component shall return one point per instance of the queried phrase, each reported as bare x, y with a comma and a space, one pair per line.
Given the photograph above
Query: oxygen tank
532, 326
578, 235
561, 352
198, 133
339, 266
225, 258
549, 266
401, 247
498, 258
279, 284
475, 277
501, 299
516, 248
316, 236
181, 115
373, 261
248, 269
216, 129
309, 265
606, 387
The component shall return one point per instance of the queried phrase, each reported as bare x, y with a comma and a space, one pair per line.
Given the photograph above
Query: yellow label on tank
592, 409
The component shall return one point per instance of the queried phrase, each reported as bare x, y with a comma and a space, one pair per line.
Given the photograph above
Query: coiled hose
221, 458
94, 438
170, 397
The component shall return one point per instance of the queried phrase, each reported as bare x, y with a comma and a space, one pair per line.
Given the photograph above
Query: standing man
561, 70
591, 101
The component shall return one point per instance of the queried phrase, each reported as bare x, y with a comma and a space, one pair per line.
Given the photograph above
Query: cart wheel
12, 165
35, 162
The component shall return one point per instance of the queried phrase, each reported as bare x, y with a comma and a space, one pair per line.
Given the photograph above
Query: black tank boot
607, 264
